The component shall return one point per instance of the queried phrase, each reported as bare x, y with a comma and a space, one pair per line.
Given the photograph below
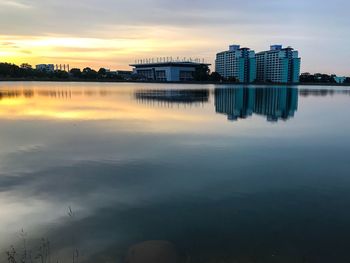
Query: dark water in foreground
223, 174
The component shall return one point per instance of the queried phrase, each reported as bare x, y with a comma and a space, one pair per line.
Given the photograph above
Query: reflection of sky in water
220, 172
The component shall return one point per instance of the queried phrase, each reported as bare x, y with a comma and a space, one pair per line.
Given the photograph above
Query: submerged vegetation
41, 252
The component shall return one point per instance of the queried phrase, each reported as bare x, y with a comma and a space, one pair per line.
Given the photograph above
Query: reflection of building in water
275, 103
236, 103
168, 97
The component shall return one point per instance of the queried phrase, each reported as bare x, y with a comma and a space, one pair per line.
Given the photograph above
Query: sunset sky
113, 33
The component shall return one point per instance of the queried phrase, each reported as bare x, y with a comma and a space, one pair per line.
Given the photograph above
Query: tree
317, 78
13, 71
307, 78
89, 73
26, 66
232, 79
60, 74
215, 77
102, 72
201, 73
75, 72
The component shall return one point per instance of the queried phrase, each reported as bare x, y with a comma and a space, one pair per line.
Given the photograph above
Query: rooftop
170, 64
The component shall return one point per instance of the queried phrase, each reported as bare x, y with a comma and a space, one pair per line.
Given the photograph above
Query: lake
91, 171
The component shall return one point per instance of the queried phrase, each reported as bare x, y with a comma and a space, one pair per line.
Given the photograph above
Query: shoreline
168, 82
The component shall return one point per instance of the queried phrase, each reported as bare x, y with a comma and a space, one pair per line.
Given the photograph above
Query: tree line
320, 78
201, 74
26, 71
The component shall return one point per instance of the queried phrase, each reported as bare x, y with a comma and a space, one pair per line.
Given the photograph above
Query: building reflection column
276, 103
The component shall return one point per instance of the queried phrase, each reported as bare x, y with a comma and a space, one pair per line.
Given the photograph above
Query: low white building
340, 80
119, 73
167, 71
45, 67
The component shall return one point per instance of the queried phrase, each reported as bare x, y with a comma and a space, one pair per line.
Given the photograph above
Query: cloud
14, 4
63, 17
199, 27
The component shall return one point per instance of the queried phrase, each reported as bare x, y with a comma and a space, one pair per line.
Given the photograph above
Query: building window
186, 75
161, 75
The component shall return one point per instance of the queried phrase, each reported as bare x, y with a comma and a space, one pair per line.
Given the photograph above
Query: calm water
222, 173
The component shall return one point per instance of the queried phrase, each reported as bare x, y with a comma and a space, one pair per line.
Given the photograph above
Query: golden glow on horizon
114, 53
76, 51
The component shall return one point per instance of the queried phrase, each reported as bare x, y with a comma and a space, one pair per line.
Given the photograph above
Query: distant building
339, 80
237, 62
45, 67
125, 74
167, 71
280, 65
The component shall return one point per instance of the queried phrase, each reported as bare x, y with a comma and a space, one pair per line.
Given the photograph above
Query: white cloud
15, 4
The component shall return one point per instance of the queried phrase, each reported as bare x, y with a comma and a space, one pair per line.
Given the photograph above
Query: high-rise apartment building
281, 65
237, 62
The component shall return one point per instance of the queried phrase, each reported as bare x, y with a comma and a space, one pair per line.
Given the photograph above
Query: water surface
223, 173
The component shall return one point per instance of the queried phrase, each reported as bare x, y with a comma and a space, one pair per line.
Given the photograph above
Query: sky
114, 33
